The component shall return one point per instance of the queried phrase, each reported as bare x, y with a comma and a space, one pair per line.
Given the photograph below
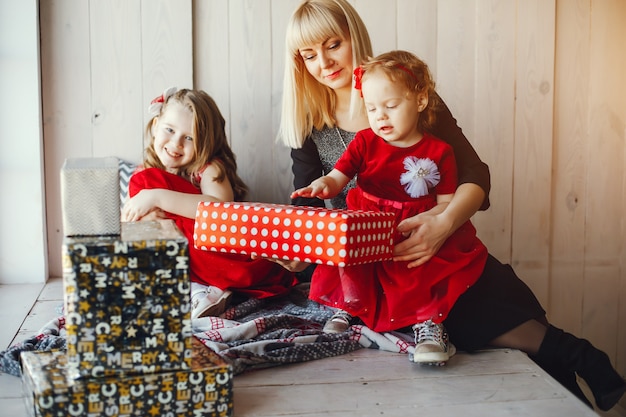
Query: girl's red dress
388, 295
257, 278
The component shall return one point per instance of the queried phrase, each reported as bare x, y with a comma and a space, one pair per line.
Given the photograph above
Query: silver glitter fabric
331, 142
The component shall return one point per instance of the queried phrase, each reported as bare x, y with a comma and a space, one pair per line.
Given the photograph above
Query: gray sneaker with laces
431, 344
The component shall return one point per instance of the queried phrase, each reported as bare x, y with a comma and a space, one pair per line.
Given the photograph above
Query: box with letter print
126, 301
309, 234
205, 389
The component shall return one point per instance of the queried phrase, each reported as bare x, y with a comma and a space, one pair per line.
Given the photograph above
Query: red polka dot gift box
309, 234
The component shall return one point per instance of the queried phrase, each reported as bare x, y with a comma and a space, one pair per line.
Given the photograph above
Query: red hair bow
155, 105
159, 99
358, 78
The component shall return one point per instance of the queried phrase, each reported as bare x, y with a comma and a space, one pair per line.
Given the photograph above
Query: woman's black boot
564, 377
561, 349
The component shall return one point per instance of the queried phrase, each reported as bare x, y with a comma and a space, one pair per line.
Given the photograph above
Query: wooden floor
363, 383
375, 383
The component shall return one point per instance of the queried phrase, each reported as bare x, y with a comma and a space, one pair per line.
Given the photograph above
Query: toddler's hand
303, 192
317, 188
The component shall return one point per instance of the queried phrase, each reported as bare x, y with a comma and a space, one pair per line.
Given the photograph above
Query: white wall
23, 249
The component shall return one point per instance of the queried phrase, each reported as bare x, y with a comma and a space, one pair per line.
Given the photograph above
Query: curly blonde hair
408, 69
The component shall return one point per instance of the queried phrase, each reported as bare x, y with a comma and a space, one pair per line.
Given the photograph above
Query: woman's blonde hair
210, 142
406, 68
308, 104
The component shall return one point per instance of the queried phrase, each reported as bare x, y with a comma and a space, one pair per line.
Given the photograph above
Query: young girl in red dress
404, 170
188, 160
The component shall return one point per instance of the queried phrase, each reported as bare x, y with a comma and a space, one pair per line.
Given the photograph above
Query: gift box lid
90, 190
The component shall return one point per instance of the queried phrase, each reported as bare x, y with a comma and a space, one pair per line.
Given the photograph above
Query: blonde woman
326, 40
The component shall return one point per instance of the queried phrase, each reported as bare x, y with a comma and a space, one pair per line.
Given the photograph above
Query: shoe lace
198, 294
428, 331
195, 300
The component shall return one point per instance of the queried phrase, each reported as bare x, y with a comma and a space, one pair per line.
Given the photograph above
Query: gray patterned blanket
253, 334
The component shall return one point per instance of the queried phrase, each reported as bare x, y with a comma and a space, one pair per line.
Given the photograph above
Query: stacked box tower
130, 348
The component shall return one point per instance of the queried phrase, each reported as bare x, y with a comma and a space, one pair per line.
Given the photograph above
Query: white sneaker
208, 300
338, 323
431, 344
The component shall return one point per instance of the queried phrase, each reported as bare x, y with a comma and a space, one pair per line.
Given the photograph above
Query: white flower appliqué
421, 175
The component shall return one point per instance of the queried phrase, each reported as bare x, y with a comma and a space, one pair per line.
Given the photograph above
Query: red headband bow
358, 77
359, 71
159, 99
155, 105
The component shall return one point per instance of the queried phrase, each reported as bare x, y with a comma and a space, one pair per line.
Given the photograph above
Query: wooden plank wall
538, 86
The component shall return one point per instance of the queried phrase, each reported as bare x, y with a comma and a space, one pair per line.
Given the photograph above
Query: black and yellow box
204, 390
127, 301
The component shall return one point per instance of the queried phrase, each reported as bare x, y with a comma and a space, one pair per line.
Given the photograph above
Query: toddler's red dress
257, 278
388, 295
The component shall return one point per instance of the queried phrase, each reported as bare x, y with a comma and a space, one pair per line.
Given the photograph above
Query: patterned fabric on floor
250, 335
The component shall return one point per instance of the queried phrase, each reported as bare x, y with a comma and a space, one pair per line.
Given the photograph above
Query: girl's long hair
210, 142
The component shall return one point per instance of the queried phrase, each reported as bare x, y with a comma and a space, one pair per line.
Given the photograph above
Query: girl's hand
156, 214
139, 206
292, 266
426, 234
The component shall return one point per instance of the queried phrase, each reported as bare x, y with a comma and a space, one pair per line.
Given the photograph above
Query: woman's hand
426, 232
